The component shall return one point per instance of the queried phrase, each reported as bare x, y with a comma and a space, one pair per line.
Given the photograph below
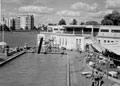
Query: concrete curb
12, 57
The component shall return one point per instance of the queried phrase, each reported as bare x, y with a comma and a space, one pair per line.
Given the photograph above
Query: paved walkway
78, 66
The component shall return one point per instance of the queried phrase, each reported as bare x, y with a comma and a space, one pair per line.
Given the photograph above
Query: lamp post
2, 23
107, 66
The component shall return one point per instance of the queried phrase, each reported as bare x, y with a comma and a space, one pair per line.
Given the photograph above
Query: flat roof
77, 26
110, 27
88, 26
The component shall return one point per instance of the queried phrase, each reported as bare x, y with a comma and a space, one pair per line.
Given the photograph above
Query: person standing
96, 78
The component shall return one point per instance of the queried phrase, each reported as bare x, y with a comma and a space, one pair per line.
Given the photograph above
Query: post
7, 50
3, 30
68, 71
107, 67
92, 30
40, 45
82, 31
67, 79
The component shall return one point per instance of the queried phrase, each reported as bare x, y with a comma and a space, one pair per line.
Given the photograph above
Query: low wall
12, 57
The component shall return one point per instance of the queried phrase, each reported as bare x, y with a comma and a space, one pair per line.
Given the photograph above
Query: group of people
96, 75
96, 78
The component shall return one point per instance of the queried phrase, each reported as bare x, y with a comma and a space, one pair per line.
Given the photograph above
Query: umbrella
3, 43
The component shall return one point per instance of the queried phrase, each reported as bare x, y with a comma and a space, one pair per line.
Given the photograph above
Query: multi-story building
9, 22
17, 23
30, 22
12, 23
24, 22
6, 21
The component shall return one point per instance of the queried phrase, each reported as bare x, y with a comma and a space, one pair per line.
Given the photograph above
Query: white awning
3, 43
114, 48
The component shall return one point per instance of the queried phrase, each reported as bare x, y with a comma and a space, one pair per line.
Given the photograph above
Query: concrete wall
110, 33
70, 41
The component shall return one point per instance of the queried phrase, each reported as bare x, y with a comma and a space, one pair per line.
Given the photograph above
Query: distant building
17, 23
6, 21
9, 22
12, 23
30, 22
24, 22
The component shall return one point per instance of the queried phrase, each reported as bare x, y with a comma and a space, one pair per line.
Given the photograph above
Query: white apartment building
24, 22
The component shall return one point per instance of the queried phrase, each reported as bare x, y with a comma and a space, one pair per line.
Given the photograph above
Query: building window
115, 31
55, 29
63, 41
108, 41
62, 29
79, 41
66, 42
99, 41
104, 30
112, 41
104, 41
60, 41
76, 41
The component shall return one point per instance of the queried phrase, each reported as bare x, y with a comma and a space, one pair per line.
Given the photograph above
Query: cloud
37, 2
84, 6
12, 13
36, 9
68, 13
112, 4
13, 1
99, 14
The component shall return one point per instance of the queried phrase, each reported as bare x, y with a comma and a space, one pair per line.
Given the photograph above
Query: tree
26, 27
107, 22
111, 19
51, 24
35, 28
82, 23
74, 22
44, 27
6, 28
21, 29
92, 23
62, 22
12, 28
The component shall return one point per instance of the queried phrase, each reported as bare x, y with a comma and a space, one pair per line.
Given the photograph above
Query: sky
51, 11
